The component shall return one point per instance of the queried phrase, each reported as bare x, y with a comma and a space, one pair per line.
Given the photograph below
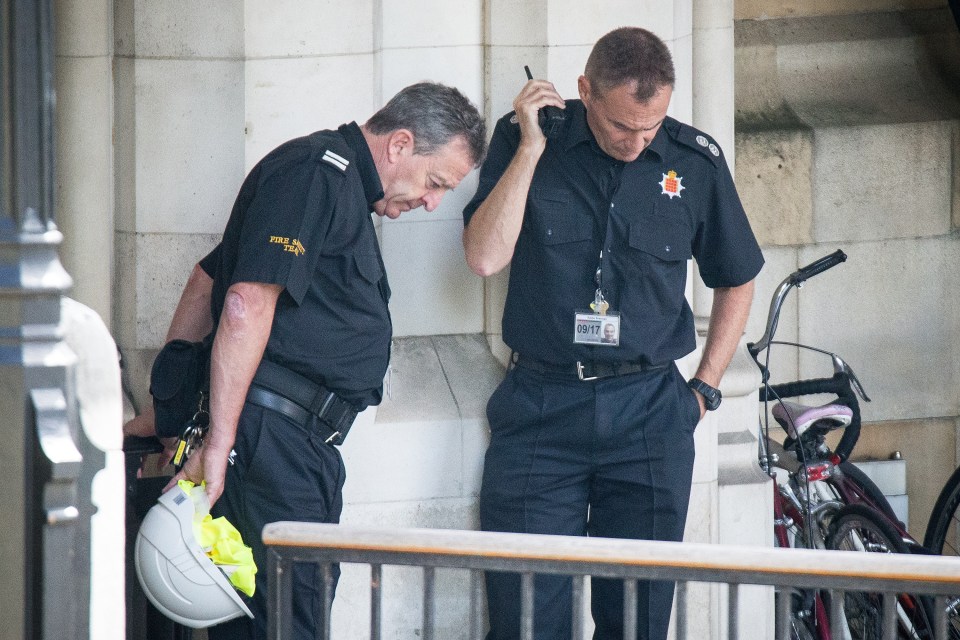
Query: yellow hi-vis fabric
221, 541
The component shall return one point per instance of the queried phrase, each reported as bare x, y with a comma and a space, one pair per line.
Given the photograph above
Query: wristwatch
711, 395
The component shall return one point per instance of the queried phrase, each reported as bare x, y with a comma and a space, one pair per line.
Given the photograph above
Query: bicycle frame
811, 486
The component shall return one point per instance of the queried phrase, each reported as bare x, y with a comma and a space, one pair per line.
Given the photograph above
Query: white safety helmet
177, 576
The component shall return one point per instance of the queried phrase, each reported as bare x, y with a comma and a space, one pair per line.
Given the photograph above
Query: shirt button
611, 205
549, 232
667, 248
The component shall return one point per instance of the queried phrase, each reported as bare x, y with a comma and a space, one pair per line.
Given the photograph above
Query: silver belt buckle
580, 373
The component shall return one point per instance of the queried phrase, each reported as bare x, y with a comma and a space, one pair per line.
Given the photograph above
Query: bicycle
941, 538
821, 500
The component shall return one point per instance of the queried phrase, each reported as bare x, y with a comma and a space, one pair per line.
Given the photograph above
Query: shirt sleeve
726, 250
209, 262
503, 145
284, 226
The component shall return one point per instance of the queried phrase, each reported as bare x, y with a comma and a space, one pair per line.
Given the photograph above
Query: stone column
41, 463
744, 498
84, 146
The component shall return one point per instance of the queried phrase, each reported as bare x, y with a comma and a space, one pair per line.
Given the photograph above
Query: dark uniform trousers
282, 471
609, 458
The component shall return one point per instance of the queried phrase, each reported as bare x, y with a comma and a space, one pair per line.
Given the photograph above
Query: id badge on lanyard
599, 326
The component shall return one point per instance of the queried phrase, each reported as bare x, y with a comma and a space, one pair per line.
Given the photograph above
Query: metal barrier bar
629, 609
680, 595
837, 619
280, 596
782, 623
579, 602
327, 572
733, 611
429, 597
476, 604
526, 606
890, 616
376, 600
940, 617
530, 554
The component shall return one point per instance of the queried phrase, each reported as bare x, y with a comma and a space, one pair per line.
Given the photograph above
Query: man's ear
399, 143
583, 87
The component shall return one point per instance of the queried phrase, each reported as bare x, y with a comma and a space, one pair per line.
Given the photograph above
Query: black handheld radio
551, 118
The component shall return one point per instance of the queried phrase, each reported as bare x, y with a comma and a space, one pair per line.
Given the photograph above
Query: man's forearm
489, 239
241, 339
731, 307
192, 320
242, 336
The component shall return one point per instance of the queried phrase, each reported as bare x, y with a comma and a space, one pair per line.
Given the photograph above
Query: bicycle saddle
796, 418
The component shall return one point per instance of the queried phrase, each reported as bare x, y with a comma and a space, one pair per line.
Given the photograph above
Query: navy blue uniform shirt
302, 220
676, 201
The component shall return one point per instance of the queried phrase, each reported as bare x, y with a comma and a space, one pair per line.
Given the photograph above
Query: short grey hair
436, 114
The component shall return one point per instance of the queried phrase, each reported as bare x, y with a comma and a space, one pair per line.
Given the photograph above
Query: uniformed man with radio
592, 428
298, 294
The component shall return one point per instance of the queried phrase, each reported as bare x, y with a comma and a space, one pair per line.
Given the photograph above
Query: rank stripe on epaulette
338, 161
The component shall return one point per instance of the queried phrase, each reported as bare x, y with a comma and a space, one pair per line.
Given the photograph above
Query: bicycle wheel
858, 527
941, 536
869, 488
941, 539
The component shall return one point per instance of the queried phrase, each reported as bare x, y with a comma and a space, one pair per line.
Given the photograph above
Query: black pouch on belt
303, 401
179, 381
338, 416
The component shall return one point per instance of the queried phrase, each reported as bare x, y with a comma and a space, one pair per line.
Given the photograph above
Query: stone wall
847, 137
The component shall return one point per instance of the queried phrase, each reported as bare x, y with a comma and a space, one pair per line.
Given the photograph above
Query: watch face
713, 400
710, 395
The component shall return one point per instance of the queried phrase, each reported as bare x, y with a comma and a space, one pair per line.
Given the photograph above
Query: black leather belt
277, 388
586, 369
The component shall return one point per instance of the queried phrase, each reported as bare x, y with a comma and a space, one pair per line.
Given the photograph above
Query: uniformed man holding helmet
297, 294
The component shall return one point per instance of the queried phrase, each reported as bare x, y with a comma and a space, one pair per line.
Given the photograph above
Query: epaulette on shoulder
334, 159
330, 151
695, 139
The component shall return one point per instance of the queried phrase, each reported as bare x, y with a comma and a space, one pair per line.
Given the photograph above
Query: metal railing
629, 560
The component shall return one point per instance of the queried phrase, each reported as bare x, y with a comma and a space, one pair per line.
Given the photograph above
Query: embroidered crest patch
671, 184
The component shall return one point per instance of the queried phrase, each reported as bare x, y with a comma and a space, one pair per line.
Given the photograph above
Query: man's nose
432, 200
640, 141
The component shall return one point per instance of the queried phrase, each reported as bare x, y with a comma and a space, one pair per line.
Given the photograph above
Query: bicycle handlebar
795, 279
803, 274
838, 385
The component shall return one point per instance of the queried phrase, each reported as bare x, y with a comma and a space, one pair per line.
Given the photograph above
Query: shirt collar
372, 187
579, 131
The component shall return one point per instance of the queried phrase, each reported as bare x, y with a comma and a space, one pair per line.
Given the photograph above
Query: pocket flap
369, 266
554, 221
664, 241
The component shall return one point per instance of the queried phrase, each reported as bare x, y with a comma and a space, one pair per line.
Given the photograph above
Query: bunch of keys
192, 438
599, 304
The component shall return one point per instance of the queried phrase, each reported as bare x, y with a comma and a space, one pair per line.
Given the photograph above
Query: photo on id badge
593, 328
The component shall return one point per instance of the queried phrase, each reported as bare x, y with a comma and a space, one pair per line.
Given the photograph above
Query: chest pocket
553, 218
664, 239
657, 270
370, 269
